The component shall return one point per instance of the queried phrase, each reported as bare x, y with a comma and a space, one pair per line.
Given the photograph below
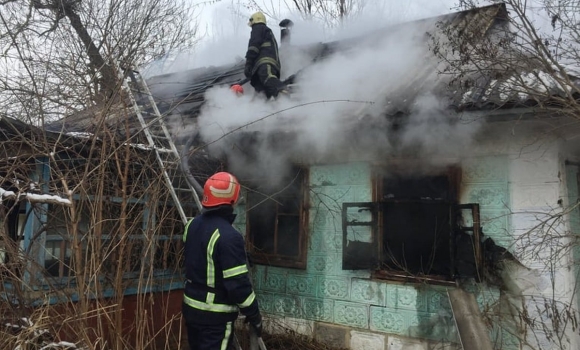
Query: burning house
372, 194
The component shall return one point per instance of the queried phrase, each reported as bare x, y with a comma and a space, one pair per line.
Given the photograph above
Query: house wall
365, 309
539, 227
515, 186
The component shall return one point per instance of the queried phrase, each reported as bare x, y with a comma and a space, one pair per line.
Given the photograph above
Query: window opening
276, 220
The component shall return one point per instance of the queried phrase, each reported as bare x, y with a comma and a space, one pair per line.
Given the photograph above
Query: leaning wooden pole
472, 331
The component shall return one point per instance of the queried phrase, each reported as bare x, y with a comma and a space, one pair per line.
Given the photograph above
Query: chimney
286, 26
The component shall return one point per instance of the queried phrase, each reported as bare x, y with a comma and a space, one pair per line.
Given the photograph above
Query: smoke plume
373, 96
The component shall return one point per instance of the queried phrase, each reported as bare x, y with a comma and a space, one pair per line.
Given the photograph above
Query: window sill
279, 262
402, 277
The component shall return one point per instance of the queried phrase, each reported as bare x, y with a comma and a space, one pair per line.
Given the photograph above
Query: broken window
359, 238
414, 229
276, 220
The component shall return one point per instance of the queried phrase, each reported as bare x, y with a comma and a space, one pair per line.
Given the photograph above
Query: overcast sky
224, 32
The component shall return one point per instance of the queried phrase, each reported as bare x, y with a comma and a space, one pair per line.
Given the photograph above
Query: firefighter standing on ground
262, 60
218, 285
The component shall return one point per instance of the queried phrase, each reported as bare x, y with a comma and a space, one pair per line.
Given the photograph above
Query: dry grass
283, 339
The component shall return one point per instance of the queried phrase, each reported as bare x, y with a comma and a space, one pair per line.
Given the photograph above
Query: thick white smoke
371, 76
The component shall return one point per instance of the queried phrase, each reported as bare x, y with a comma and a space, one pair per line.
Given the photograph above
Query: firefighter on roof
262, 61
218, 285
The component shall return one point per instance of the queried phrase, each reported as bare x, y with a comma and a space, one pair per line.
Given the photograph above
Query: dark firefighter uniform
218, 285
262, 60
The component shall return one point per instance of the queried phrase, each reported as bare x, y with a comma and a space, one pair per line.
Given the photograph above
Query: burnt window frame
298, 261
376, 251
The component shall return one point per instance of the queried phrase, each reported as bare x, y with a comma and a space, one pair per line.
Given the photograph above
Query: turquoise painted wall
324, 292
485, 180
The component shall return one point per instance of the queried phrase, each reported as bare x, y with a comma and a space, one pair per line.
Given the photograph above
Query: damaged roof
183, 93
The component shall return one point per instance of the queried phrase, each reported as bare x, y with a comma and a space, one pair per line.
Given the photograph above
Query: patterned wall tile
333, 242
330, 263
316, 241
351, 314
485, 297
436, 326
301, 285
323, 219
318, 309
257, 275
340, 174
437, 300
272, 281
336, 195
368, 291
336, 261
266, 301
386, 320
319, 218
288, 305
334, 288
405, 297
325, 241
324, 175
495, 223
488, 196
485, 170
319, 263
357, 174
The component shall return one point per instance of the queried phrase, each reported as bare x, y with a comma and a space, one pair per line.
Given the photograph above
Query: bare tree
99, 235
63, 55
331, 13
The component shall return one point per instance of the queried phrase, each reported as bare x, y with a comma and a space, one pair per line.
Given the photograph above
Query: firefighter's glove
248, 71
256, 323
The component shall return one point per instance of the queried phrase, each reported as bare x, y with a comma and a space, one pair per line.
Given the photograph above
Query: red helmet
221, 188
